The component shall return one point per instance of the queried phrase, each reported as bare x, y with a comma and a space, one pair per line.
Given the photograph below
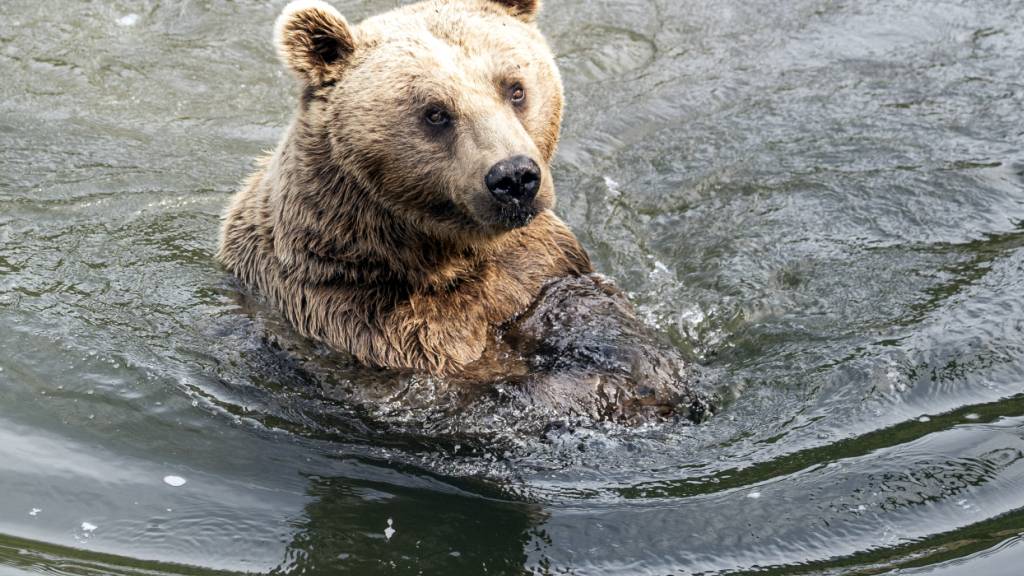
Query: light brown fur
371, 232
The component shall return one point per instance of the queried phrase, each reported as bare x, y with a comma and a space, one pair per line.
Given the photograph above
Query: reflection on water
342, 532
821, 203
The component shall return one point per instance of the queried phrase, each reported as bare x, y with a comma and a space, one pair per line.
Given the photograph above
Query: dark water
821, 202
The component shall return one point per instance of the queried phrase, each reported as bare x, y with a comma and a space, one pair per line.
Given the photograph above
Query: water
821, 202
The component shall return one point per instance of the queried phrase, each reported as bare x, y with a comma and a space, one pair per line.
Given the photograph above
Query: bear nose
514, 179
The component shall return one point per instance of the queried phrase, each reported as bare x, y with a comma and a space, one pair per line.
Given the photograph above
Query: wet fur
365, 234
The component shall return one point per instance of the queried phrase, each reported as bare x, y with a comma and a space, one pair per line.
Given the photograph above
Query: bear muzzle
513, 183
514, 180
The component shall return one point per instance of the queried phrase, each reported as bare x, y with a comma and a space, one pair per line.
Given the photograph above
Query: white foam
613, 186
128, 20
174, 481
389, 531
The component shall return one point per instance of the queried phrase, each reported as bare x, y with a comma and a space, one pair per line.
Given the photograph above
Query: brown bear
405, 216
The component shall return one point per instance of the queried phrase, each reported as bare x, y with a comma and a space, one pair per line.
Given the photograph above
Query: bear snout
514, 180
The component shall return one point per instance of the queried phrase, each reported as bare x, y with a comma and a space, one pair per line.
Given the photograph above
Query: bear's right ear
313, 39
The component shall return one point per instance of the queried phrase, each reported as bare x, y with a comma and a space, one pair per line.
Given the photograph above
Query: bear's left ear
313, 39
525, 10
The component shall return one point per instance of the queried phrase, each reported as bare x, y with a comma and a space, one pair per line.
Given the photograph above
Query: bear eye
517, 94
436, 116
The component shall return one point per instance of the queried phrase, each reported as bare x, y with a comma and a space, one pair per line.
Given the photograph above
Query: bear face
448, 111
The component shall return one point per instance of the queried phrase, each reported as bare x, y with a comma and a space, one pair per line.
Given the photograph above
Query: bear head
446, 112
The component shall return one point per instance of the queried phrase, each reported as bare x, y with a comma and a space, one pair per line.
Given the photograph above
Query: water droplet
174, 481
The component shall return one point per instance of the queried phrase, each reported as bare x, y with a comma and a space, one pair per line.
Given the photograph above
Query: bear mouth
494, 217
449, 212
515, 215
491, 218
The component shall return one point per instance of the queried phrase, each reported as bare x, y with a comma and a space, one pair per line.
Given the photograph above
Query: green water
820, 202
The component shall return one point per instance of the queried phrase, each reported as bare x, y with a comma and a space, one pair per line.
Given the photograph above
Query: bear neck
339, 232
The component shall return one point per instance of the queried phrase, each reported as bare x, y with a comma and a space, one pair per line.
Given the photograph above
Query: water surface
820, 202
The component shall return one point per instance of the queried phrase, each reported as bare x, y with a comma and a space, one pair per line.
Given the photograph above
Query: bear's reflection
346, 530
